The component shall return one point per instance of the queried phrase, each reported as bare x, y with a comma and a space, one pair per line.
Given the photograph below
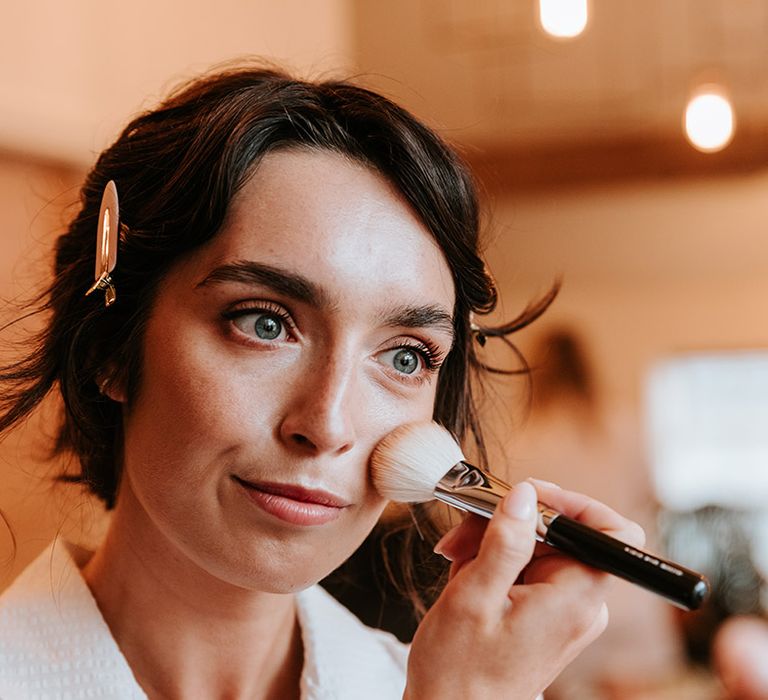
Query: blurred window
707, 419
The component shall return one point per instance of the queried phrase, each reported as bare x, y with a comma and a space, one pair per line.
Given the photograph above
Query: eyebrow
302, 289
249, 272
426, 316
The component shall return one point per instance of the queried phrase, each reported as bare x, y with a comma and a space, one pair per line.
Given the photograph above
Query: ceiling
608, 104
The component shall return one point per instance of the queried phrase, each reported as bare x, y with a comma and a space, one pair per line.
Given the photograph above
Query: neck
184, 632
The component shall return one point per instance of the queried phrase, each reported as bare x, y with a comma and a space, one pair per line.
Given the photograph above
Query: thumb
507, 545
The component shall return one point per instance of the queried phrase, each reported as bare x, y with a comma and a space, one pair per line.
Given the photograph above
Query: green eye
268, 327
405, 360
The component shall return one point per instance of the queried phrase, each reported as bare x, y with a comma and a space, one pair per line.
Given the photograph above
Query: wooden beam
602, 160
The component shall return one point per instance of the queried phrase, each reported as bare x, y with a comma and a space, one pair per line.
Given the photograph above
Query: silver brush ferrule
471, 489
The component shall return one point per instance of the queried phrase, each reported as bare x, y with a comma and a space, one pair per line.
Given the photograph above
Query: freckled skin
218, 401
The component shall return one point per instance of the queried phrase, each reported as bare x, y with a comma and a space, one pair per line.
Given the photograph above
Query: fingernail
520, 502
446, 539
542, 482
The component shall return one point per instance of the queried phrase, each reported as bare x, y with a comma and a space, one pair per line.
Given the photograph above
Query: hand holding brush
513, 615
422, 461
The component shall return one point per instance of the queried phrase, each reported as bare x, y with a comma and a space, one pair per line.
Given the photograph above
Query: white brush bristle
407, 464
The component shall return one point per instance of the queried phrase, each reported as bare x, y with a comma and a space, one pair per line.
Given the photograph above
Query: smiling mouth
293, 504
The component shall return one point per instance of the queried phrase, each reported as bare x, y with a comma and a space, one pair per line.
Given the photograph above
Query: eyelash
431, 356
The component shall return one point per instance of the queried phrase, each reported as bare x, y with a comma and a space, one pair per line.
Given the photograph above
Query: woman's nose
319, 418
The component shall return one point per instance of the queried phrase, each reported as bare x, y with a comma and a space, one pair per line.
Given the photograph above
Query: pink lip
294, 504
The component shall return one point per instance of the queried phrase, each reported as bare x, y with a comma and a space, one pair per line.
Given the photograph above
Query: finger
589, 627
600, 623
564, 571
463, 541
590, 512
457, 566
506, 547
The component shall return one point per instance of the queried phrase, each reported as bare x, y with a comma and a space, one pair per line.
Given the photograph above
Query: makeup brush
422, 461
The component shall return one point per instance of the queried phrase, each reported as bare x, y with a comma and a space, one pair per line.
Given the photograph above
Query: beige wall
649, 268
71, 73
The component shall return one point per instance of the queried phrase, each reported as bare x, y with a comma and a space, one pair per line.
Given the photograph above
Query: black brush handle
683, 587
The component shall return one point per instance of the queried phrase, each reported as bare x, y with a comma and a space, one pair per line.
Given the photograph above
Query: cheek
188, 413
193, 392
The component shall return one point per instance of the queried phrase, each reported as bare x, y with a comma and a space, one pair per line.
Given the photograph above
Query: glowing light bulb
563, 19
709, 121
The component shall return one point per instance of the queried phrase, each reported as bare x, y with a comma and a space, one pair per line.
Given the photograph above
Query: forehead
335, 222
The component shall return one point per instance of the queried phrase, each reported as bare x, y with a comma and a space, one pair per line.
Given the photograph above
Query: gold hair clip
106, 244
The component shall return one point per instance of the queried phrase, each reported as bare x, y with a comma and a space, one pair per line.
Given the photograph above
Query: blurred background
620, 146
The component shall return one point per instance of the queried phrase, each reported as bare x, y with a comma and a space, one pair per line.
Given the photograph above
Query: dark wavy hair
177, 168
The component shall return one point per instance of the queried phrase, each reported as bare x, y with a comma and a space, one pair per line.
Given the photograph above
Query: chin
284, 582
275, 570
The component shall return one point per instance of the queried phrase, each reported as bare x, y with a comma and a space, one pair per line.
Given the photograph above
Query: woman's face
275, 358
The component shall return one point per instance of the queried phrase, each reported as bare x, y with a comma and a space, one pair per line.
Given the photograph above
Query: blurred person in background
729, 633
